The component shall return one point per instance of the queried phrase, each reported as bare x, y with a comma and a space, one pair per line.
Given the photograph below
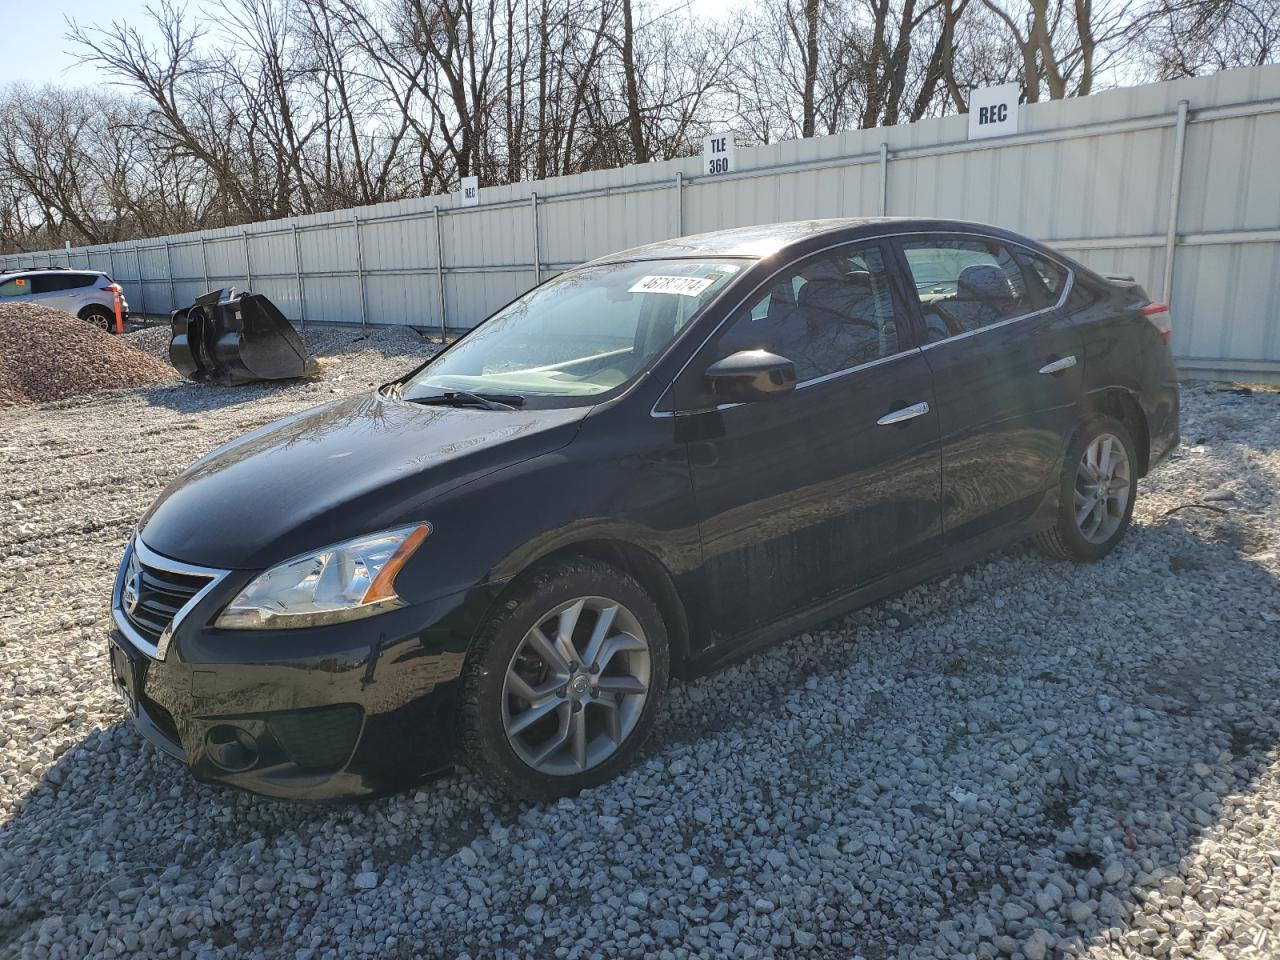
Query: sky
46, 56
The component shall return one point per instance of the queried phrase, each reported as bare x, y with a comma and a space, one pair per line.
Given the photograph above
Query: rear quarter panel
1123, 349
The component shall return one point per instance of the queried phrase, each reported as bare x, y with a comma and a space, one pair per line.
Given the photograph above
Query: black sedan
647, 466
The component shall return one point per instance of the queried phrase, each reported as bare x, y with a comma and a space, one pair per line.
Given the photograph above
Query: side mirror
751, 375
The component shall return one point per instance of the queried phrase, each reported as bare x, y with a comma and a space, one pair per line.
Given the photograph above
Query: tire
100, 317
1088, 493
503, 734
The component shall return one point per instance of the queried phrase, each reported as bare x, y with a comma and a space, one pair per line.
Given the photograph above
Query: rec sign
993, 111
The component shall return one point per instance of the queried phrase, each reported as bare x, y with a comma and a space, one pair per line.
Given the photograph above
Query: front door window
830, 313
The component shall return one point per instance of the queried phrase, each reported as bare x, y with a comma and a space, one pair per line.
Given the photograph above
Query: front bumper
349, 710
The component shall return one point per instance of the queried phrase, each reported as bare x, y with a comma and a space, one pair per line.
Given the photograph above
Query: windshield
583, 333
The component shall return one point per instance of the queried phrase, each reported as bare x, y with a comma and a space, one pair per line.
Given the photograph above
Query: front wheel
1099, 484
561, 687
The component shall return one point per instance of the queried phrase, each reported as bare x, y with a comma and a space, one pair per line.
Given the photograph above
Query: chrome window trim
803, 384
836, 374
150, 558
891, 235
994, 326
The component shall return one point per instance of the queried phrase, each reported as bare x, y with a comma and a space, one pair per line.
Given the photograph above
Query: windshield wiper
463, 398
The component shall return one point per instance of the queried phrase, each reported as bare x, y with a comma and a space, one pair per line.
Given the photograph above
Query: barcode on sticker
681, 286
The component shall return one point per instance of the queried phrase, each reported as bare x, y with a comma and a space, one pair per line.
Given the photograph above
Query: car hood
345, 469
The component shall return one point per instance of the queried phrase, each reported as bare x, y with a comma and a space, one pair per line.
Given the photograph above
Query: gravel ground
328, 341
1027, 758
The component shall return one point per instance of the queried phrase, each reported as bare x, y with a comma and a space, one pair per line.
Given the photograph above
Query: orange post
119, 318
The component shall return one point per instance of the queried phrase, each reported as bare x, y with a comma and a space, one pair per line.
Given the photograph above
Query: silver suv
87, 294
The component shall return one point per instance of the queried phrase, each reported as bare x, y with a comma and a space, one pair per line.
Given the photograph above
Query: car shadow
1079, 779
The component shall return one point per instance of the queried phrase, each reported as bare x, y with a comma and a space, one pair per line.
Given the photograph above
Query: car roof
28, 271
766, 239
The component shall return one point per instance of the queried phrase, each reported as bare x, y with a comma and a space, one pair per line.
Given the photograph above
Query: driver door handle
1057, 366
906, 413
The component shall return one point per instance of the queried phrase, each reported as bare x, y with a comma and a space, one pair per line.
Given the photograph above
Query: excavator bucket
227, 339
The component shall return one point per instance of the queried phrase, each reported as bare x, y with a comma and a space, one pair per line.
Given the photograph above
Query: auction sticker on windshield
682, 286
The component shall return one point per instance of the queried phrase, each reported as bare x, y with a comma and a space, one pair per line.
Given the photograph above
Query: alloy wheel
1102, 488
576, 686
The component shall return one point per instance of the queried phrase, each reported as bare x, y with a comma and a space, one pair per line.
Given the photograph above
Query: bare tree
190, 106
1185, 38
1060, 41
280, 107
940, 69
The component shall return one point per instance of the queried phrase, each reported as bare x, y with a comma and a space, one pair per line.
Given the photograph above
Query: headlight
344, 582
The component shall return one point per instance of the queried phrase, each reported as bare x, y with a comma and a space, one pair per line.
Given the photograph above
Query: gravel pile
1027, 759
50, 355
153, 340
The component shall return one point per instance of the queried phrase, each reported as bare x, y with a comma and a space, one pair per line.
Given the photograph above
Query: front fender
625, 482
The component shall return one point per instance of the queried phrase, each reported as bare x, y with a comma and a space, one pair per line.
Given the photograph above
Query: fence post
204, 263
1175, 197
537, 243
142, 287
364, 314
168, 263
111, 263
679, 203
248, 264
884, 179
297, 276
440, 274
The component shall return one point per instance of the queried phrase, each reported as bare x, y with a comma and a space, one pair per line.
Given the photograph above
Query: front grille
153, 596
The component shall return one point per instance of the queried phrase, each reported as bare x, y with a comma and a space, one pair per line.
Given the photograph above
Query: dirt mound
49, 355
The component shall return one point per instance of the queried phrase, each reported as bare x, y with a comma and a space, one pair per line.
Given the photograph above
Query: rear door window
52, 282
965, 283
1047, 279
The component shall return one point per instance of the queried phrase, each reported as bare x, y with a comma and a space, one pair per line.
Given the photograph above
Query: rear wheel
1098, 486
100, 317
561, 688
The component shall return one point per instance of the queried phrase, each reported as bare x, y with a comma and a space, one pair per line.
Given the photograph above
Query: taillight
113, 288
1158, 314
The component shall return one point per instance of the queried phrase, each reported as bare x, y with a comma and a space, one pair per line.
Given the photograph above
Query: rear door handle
906, 413
1057, 366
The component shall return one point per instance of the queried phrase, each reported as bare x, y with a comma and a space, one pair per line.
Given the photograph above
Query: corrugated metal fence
1175, 183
